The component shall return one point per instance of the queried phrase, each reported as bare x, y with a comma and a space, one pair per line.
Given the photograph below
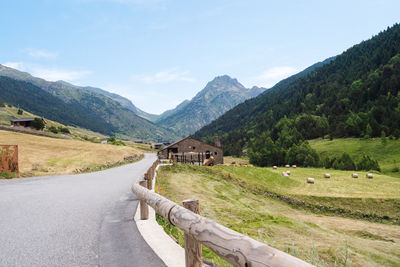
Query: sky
158, 53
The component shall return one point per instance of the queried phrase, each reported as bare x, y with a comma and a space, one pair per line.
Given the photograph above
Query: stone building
194, 150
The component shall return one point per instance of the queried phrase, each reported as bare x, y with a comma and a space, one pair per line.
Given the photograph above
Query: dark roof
189, 138
22, 120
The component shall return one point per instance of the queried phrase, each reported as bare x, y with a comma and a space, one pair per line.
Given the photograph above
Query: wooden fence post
144, 209
193, 254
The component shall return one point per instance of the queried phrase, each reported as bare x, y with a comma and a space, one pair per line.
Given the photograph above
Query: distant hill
220, 95
124, 102
355, 94
24, 76
73, 105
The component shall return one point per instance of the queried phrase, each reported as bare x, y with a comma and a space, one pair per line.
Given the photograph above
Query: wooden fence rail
235, 248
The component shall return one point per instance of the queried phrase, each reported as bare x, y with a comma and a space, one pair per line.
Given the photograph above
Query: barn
192, 150
22, 122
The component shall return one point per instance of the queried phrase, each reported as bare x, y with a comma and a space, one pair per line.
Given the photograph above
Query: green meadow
341, 221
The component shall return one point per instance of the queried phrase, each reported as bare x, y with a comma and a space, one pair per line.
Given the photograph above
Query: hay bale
369, 175
274, 167
288, 172
285, 174
327, 175
354, 175
287, 166
294, 166
310, 180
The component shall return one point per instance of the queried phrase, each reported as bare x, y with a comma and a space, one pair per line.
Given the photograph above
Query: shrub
328, 162
53, 129
63, 130
2, 104
20, 111
395, 169
345, 162
38, 123
366, 163
113, 141
303, 155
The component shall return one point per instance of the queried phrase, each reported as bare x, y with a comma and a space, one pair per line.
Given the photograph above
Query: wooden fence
190, 157
9, 158
235, 248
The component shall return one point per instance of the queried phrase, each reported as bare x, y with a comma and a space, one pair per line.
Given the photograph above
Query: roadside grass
387, 154
40, 155
232, 196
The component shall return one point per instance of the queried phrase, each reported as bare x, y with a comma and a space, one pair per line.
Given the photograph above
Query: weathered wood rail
235, 248
191, 157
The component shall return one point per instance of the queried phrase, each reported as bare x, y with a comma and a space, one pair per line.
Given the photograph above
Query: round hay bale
354, 175
285, 174
369, 175
288, 172
294, 166
287, 166
274, 167
327, 175
310, 180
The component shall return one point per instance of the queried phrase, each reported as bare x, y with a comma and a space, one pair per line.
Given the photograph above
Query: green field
387, 154
339, 221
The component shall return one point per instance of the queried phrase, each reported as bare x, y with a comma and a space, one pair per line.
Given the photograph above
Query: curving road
74, 220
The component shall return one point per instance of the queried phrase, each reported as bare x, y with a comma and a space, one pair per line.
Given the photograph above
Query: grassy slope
8, 113
388, 155
233, 197
47, 156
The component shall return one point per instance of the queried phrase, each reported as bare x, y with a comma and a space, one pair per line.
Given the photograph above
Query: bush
366, 163
63, 130
113, 141
53, 129
38, 123
345, 162
303, 155
2, 104
20, 111
328, 162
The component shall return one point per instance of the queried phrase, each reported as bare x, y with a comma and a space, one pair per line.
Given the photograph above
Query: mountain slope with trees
59, 101
356, 94
220, 95
53, 87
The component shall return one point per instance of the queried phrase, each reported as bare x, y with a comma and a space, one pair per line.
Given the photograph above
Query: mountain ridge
218, 96
108, 114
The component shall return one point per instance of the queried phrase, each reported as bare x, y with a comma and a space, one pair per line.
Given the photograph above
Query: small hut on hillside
191, 150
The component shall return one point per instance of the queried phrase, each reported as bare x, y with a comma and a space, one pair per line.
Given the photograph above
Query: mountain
24, 76
219, 95
355, 94
73, 105
124, 102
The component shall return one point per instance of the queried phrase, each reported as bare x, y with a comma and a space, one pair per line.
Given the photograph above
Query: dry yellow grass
47, 156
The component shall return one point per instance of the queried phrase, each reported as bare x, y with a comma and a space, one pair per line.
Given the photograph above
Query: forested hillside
82, 108
356, 94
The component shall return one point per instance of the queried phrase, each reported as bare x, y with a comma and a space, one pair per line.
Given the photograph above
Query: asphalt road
74, 220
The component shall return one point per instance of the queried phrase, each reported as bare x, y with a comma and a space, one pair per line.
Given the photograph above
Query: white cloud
15, 65
38, 53
165, 76
50, 74
59, 74
273, 75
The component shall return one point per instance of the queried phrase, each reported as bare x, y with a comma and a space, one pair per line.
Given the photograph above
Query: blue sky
158, 52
